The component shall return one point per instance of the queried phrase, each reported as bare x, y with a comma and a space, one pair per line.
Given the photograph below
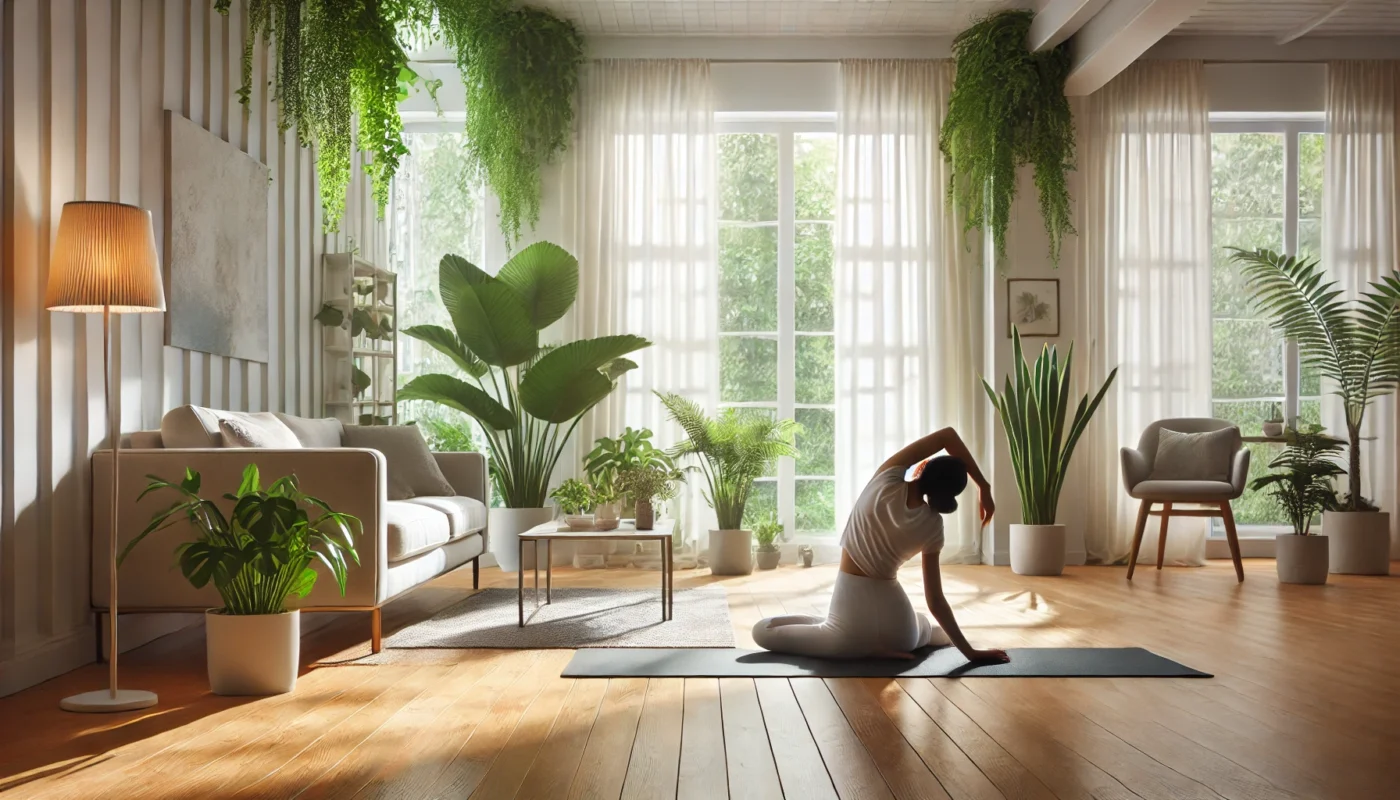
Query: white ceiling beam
1118, 35
1308, 27
1057, 20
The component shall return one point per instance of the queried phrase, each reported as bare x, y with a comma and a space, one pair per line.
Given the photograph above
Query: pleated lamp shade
105, 256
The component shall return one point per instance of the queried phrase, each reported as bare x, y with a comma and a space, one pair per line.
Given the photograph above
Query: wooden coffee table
552, 532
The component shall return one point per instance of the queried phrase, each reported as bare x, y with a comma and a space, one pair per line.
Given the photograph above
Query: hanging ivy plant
520, 67
1008, 108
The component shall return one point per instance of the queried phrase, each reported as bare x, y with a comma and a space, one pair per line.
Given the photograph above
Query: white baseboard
48, 661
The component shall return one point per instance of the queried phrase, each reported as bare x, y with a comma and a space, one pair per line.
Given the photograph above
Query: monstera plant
528, 397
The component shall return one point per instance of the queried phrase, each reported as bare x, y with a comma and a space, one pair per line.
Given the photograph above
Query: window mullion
787, 345
1291, 367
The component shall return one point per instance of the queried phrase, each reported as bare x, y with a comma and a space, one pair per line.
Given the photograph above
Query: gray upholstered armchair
1208, 491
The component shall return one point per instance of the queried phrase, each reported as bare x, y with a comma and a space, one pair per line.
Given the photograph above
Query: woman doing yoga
896, 517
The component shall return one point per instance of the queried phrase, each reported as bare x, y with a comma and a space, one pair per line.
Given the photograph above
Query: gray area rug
576, 618
943, 662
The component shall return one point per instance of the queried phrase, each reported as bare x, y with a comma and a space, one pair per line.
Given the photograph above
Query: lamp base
102, 701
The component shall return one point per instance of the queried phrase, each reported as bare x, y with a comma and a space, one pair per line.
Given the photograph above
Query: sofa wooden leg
476, 572
1143, 511
1162, 535
1228, 514
376, 631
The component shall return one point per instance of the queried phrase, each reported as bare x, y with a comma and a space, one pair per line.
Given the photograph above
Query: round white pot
606, 512
1358, 542
731, 552
1301, 559
1038, 549
768, 559
252, 654
504, 526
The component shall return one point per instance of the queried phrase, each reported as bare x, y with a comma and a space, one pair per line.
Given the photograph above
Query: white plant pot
252, 654
1274, 429
1358, 542
504, 526
1038, 549
1301, 559
731, 552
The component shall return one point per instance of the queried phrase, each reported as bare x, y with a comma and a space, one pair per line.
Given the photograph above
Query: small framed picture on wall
1033, 305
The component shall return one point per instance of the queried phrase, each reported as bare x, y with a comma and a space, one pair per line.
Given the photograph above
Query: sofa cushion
258, 430
413, 529
326, 432
198, 427
412, 470
465, 515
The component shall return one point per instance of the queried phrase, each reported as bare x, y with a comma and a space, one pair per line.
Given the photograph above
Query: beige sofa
404, 543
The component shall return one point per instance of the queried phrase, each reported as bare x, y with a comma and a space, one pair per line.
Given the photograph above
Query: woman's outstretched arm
943, 613
946, 439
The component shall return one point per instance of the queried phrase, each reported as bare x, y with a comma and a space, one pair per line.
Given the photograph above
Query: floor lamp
105, 261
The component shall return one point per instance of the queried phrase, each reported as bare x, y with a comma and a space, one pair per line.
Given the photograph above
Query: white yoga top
883, 532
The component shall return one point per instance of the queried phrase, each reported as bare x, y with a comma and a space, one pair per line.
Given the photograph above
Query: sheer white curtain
645, 238
1144, 295
1361, 233
909, 327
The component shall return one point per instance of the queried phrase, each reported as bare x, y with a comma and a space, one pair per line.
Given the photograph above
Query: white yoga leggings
867, 617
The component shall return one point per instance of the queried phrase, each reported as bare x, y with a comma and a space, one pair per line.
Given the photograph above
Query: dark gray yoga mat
944, 662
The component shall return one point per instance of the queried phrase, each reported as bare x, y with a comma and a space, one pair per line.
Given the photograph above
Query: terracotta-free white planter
1038, 549
504, 526
731, 552
768, 559
1301, 559
1358, 542
253, 654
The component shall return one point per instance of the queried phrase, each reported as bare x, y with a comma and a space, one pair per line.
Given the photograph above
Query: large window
1266, 190
777, 184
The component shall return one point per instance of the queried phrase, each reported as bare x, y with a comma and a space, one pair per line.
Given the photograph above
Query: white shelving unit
359, 340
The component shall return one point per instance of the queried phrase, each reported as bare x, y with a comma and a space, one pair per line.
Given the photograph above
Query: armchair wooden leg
1143, 511
376, 631
476, 572
1162, 535
1228, 515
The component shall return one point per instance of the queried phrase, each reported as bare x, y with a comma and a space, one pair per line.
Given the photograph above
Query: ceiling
1279, 17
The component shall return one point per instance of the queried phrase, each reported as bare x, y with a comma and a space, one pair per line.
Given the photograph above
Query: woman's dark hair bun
942, 480
945, 504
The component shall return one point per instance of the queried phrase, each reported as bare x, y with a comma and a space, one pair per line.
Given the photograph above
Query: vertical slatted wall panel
83, 84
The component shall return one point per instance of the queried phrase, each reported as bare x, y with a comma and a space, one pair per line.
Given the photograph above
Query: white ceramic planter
768, 559
1358, 542
504, 526
731, 552
252, 654
1038, 549
1301, 559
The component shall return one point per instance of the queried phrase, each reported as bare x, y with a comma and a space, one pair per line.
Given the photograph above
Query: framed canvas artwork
1033, 306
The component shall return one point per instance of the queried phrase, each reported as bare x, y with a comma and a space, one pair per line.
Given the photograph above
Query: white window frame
786, 126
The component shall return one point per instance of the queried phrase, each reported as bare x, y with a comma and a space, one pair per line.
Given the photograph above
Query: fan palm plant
1355, 345
1032, 409
527, 397
734, 450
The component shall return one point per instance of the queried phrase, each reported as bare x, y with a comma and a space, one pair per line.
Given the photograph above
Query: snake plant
1032, 408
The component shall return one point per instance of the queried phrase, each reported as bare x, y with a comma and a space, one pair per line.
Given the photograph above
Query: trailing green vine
1008, 108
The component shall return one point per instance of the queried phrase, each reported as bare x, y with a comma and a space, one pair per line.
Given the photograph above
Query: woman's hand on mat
992, 656
984, 499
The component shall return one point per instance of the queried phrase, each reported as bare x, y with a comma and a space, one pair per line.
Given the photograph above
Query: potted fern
767, 533
257, 557
1032, 409
733, 450
1302, 487
1355, 346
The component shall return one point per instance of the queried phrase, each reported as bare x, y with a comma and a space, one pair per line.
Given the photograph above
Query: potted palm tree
733, 450
1032, 409
258, 557
1355, 346
527, 397
1302, 487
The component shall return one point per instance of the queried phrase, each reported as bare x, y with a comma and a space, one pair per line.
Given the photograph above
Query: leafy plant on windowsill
261, 554
1008, 108
733, 451
1354, 345
1303, 487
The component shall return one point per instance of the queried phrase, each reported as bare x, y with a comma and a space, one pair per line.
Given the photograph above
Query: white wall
84, 85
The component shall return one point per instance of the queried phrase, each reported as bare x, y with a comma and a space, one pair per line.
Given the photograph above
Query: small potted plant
611, 456
766, 533
1302, 487
646, 485
575, 498
258, 557
1273, 426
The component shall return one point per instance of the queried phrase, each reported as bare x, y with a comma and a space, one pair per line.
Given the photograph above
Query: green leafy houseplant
650, 483
612, 456
1303, 486
1032, 408
1354, 345
766, 533
1008, 108
261, 553
733, 450
528, 398
573, 496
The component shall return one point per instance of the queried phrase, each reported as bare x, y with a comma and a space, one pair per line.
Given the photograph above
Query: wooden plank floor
1306, 705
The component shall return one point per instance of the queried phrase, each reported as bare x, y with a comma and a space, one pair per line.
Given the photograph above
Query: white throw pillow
1194, 456
258, 430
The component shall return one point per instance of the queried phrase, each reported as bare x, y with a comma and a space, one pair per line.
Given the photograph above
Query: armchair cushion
1184, 491
1194, 456
465, 515
414, 528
